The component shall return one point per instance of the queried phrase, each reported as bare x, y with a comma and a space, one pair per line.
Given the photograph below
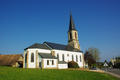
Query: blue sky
25, 22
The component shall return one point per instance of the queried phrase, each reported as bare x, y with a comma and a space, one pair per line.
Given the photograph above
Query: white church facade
53, 55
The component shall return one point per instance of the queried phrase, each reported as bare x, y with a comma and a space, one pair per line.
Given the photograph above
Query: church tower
73, 35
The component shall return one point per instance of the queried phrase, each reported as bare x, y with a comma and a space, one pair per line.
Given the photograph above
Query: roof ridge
55, 43
37, 45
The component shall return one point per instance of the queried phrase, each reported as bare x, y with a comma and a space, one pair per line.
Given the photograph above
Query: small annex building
13, 60
49, 55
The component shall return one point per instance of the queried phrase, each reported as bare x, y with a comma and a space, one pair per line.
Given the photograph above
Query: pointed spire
71, 25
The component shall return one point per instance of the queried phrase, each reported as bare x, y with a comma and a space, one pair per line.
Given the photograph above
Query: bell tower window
75, 35
70, 36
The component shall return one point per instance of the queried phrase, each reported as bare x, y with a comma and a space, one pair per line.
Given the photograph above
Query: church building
49, 55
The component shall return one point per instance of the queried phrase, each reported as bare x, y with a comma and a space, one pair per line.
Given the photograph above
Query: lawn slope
9, 73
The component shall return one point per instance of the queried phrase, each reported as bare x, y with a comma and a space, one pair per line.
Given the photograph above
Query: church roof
37, 45
49, 46
56, 46
45, 55
61, 47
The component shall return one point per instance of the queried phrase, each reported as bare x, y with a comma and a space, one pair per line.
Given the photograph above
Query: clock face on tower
76, 45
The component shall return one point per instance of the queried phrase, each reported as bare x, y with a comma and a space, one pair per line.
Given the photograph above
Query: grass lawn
9, 73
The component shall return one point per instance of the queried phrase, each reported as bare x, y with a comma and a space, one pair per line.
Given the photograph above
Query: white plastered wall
68, 56
30, 51
50, 63
62, 66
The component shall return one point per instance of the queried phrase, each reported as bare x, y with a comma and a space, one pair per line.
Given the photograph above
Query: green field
9, 73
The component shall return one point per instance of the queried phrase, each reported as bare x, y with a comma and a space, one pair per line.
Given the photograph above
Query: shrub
72, 64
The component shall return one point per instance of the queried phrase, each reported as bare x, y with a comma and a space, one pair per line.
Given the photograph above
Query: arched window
26, 58
63, 57
76, 58
72, 58
32, 57
58, 56
67, 54
80, 58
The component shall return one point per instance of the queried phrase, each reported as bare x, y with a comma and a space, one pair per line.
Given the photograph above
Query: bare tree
89, 59
95, 53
